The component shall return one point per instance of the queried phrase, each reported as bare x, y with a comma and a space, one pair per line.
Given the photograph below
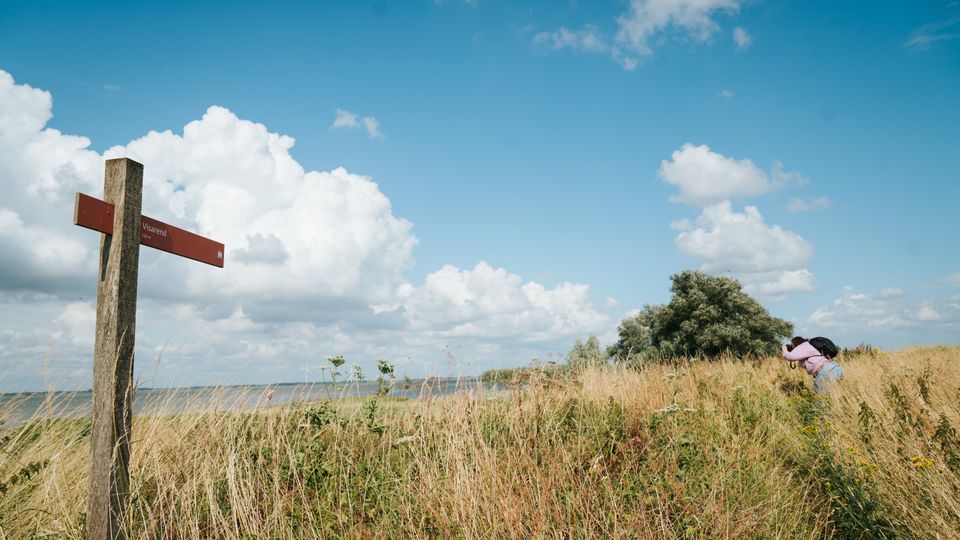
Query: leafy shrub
863, 349
708, 316
586, 354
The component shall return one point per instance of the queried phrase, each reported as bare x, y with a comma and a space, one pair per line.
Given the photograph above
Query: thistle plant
357, 373
334, 369
385, 369
335, 363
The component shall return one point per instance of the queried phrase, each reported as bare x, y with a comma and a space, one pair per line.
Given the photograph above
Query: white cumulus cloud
76, 323
315, 261
877, 316
332, 234
704, 177
767, 258
853, 308
775, 284
492, 302
37, 257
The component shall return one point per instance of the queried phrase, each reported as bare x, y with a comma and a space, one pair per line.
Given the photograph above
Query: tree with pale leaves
707, 316
584, 354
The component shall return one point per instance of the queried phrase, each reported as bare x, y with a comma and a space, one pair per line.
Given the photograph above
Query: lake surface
15, 409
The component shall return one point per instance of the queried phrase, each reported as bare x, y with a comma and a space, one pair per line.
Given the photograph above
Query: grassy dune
723, 450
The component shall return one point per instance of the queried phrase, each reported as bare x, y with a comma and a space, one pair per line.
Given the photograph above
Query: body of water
15, 409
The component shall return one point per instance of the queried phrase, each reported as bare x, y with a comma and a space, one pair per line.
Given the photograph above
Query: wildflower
404, 440
920, 462
671, 408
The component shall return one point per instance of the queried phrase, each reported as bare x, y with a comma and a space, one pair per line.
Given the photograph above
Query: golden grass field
702, 450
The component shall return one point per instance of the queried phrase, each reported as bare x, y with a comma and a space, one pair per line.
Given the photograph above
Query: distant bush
501, 375
521, 375
863, 349
586, 354
582, 355
708, 316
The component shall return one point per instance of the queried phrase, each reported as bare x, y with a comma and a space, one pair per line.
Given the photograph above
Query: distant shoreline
16, 409
412, 382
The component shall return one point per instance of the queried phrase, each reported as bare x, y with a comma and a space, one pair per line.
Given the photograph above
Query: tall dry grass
722, 450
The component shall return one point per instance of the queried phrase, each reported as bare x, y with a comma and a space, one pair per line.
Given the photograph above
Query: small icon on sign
219, 254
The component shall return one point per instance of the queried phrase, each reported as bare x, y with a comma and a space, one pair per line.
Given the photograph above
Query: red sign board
95, 214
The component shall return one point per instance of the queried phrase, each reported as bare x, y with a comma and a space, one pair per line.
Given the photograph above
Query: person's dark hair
796, 341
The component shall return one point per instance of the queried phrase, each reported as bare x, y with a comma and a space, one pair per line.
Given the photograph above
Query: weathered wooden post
124, 229
113, 353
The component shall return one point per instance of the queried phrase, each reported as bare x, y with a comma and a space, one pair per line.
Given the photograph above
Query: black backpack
825, 347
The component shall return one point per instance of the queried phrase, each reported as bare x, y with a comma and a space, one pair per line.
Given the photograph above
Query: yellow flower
920, 462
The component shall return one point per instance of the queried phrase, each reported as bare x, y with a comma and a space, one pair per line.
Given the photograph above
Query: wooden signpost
124, 229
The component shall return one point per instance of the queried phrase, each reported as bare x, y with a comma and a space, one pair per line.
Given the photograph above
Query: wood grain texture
113, 354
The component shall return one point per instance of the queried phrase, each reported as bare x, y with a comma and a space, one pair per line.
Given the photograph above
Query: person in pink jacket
823, 369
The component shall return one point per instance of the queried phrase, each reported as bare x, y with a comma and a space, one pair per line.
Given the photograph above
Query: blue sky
536, 137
